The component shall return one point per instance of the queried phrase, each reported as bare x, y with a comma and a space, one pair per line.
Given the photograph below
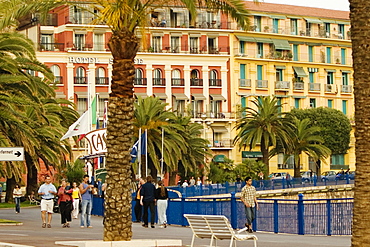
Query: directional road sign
12, 154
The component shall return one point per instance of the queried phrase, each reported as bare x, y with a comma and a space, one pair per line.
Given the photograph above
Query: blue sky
326, 4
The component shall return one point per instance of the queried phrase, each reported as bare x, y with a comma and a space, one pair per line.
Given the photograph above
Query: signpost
12, 154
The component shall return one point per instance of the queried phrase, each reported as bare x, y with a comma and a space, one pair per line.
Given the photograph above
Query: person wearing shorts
47, 192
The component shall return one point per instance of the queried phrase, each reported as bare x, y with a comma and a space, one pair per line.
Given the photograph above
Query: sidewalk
31, 233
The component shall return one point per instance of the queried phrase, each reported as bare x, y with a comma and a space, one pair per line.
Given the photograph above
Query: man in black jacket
147, 199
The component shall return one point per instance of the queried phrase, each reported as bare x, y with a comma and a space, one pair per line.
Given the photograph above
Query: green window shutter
244, 102
344, 107
296, 103
259, 72
344, 78
311, 76
295, 52
242, 71
328, 54
343, 55
330, 103
275, 25
310, 53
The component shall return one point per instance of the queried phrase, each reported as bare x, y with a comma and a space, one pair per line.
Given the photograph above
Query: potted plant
266, 29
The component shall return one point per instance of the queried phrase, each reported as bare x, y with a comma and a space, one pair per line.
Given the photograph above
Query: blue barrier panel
315, 221
342, 211
287, 216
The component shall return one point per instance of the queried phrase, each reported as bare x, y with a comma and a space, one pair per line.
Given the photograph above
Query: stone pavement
31, 233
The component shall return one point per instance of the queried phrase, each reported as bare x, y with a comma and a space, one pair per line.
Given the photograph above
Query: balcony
159, 81
227, 143
314, 87
58, 79
177, 82
282, 85
346, 89
196, 82
102, 80
140, 81
51, 47
330, 88
245, 83
80, 80
298, 86
215, 82
261, 83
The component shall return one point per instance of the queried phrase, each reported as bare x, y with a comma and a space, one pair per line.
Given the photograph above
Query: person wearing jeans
147, 199
17, 194
248, 197
86, 203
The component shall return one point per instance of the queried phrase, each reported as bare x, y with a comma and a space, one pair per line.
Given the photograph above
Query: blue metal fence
271, 184
313, 216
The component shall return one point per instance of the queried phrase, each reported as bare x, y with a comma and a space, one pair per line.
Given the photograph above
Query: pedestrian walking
76, 196
65, 204
86, 202
248, 197
162, 202
147, 200
17, 194
47, 192
138, 207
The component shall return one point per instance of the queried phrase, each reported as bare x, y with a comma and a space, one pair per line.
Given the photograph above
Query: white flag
81, 126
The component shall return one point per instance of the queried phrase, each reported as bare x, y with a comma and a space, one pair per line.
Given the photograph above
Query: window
175, 44
310, 53
194, 45
46, 42
279, 104
196, 106
308, 29
259, 50
344, 78
327, 30
337, 160
81, 105
275, 25
241, 47
139, 77
77, 15
259, 72
98, 42
296, 103
212, 46
215, 107
330, 78
343, 55
100, 77
341, 31
194, 78
213, 81
176, 78
279, 75
242, 71
56, 72
328, 54
295, 53
313, 103
257, 23
344, 107
156, 44
330, 103
179, 107
157, 77
311, 76
293, 26
80, 76
285, 162
79, 41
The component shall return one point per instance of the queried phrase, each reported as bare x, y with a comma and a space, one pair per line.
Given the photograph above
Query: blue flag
135, 148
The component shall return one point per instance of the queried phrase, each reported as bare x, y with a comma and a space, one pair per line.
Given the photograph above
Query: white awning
160, 95
142, 95
180, 96
198, 96
219, 129
218, 97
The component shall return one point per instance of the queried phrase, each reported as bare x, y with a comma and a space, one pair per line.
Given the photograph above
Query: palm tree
360, 29
306, 140
262, 125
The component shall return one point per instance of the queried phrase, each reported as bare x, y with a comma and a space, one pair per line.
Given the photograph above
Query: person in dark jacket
162, 200
147, 200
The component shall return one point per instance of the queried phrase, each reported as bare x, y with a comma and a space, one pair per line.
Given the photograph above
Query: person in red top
65, 203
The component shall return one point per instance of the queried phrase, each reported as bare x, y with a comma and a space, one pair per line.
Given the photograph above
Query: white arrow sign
12, 154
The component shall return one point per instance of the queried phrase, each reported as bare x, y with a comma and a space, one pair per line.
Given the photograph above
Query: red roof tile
297, 10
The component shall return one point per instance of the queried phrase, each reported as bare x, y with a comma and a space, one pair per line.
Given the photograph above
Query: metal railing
196, 82
51, 46
329, 88
58, 79
346, 89
261, 83
245, 83
159, 81
314, 86
215, 82
177, 82
298, 86
80, 80
140, 81
101, 80
282, 85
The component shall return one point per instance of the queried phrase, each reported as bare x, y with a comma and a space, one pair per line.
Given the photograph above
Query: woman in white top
17, 193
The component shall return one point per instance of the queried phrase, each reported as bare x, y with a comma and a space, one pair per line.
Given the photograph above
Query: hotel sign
92, 60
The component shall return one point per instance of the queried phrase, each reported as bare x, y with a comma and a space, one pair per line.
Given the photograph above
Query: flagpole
162, 153
139, 153
89, 98
97, 110
146, 152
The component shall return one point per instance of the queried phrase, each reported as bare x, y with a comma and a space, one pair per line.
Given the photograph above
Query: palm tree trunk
31, 176
265, 156
360, 31
10, 184
118, 223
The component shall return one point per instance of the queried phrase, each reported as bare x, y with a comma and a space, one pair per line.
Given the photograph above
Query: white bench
215, 227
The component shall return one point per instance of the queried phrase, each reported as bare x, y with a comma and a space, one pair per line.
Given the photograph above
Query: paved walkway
31, 233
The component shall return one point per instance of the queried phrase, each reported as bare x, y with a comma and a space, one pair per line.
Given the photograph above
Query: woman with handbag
162, 202
17, 194
65, 203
